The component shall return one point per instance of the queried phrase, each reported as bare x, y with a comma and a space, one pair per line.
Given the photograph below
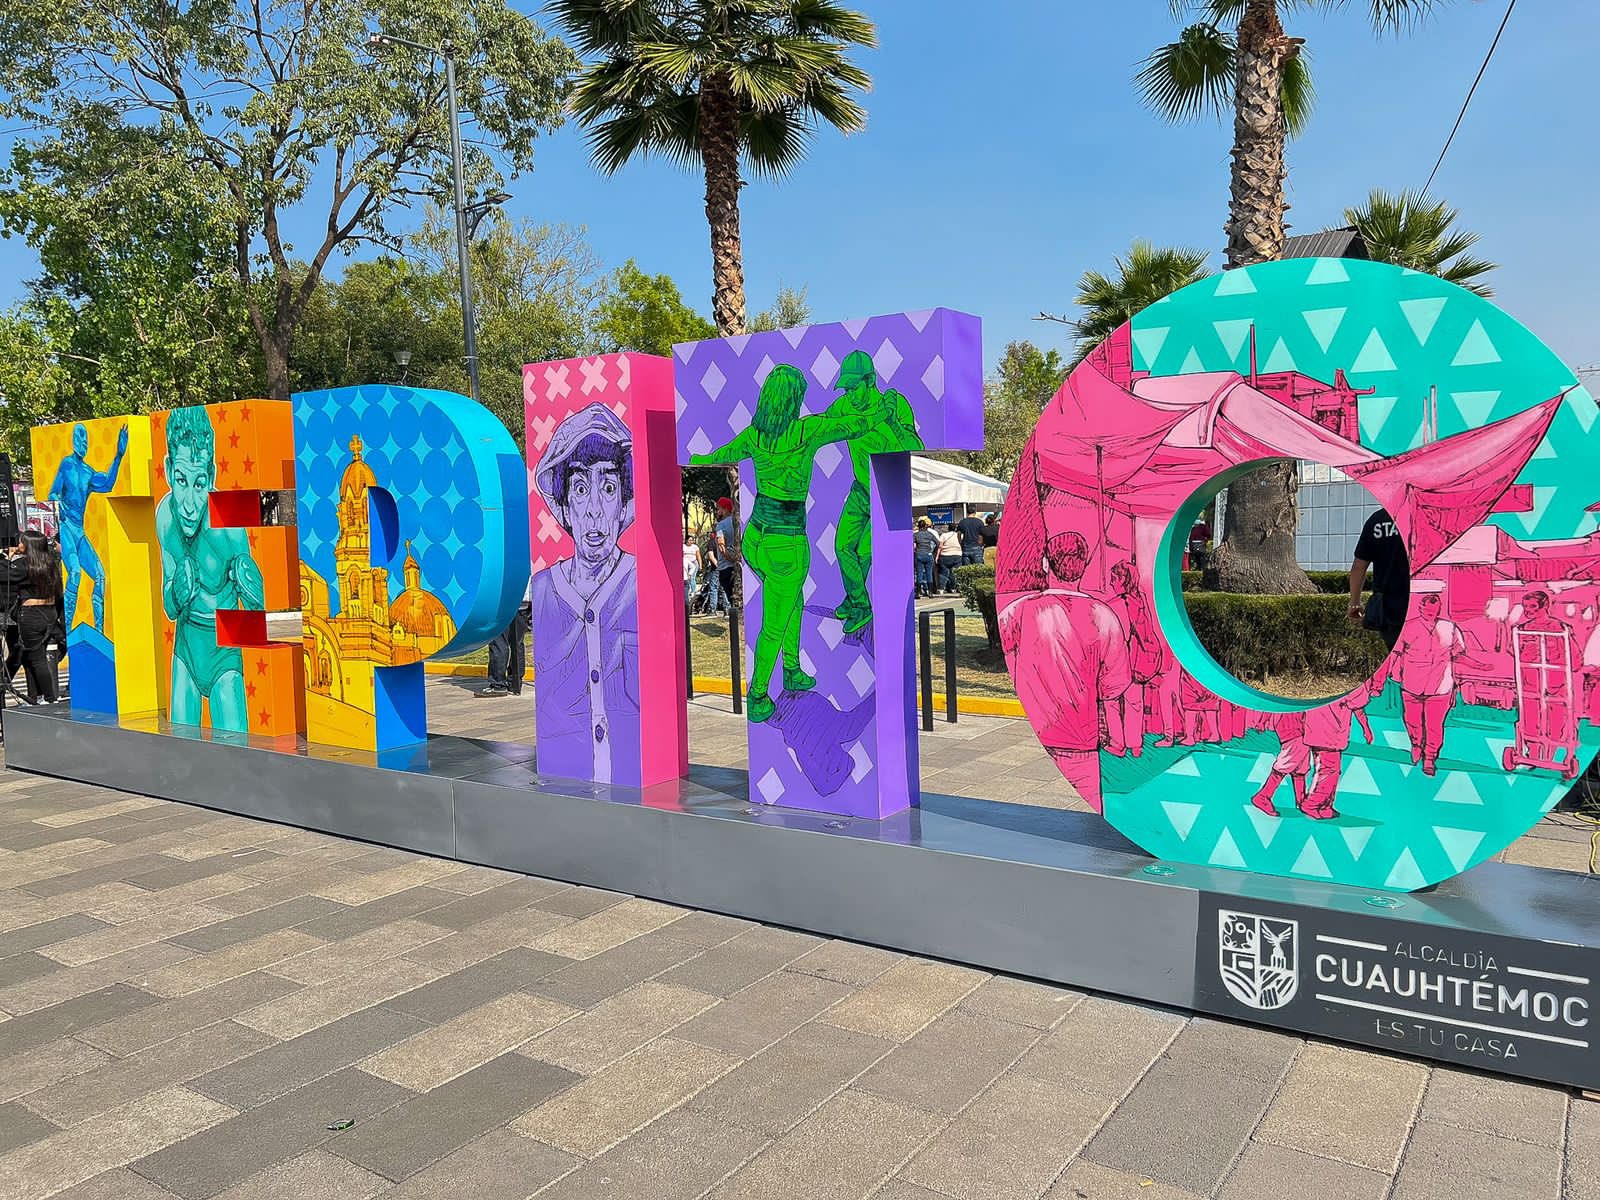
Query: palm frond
1409, 230
775, 141
1191, 77
1296, 93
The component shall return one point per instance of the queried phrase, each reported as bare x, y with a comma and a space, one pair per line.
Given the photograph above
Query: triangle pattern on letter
1422, 314
1324, 324
1233, 335
1147, 344
1459, 844
1311, 861
1475, 407
1374, 355
1357, 837
1182, 814
1476, 349
1280, 359
1236, 282
1266, 827
1191, 363
1456, 787
1226, 852
1328, 270
1356, 778
1405, 876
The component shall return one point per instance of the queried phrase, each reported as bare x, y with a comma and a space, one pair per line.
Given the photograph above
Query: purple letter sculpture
820, 421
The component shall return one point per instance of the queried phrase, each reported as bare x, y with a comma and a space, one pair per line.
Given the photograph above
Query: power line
1462, 114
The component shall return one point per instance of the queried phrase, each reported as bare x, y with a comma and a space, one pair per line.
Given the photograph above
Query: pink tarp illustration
1405, 780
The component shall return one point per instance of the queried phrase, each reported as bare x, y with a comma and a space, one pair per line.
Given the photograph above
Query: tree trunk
275, 355
1256, 208
1256, 553
719, 150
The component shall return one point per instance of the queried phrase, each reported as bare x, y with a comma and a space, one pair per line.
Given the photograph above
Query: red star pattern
233, 441
261, 666
222, 412
250, 690
168, 632
263, 717
252, 538
222, 467
249, 464
244, 411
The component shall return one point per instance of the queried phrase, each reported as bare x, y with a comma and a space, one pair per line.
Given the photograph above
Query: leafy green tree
713, 84
1148, 273
135, 306
790, 309
1013, 397
1238, 57
1409, 230
646, 314
278, 105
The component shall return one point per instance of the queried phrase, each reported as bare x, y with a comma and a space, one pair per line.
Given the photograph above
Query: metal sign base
1496, 969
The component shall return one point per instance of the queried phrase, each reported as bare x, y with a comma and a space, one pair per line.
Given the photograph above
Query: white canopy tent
941, 484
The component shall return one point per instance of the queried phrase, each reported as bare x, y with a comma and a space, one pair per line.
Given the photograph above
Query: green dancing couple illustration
782, 446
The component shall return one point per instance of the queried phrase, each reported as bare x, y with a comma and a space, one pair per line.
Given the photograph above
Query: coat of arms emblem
1258, 958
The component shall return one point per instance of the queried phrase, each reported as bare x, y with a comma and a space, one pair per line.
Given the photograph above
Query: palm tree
1148, 273
716, 83
1237, 55
1409, 230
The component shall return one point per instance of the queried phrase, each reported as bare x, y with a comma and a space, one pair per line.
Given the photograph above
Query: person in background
1423, 662
1199, 544
1382, 548
950, 558
32, 571
926, 544
991, 530
971, 530
691, 568
508, 652
722, 556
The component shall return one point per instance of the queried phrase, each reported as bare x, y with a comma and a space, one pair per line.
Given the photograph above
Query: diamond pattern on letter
887, 360
770, 787
933, 377
825, 368
713, 381
860, 676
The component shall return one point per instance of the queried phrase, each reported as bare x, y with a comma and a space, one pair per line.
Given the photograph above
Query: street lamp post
469, 324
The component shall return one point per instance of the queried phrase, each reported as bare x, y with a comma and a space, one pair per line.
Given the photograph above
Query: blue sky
1007, 152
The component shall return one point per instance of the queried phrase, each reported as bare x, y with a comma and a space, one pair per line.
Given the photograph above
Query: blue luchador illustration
75, 482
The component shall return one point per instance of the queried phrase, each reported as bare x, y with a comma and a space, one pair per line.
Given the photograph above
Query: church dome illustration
416, 611
358, 477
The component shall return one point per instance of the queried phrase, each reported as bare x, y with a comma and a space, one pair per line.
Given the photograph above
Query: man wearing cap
585, 607
890, 426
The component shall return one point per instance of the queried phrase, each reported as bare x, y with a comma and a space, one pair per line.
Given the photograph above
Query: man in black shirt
1381, 547
971, 530
991, 530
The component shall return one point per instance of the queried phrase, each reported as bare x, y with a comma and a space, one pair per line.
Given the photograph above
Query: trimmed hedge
1253, 636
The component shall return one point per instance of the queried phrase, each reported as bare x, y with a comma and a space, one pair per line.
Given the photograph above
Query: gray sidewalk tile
285, 915
947, 1064
1446, 1163
20, 1125
176, 1061
591, 980
1083, 1180
208, 1162
71, 1016
749, 1021
776, 1089
19, 968
1103, 1045
739, 962
74, 881
399, 1143
314, 1175
846, 962
676, 1158
1010, 1143
1022, 1001
1506, 1107
285, 1066
1346, 1104
844, 1149
500, 1165
467, 911
1182, 1124
362, 917
1267, 1170
47, 1064
173, 1017
47, 933
452, 995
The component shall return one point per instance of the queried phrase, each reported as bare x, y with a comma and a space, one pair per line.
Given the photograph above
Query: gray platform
1495, 969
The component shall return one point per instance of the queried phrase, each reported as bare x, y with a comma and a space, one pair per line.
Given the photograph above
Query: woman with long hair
34, 570
781, 445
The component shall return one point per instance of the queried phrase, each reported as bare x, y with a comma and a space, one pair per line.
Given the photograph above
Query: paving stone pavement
199, 1005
